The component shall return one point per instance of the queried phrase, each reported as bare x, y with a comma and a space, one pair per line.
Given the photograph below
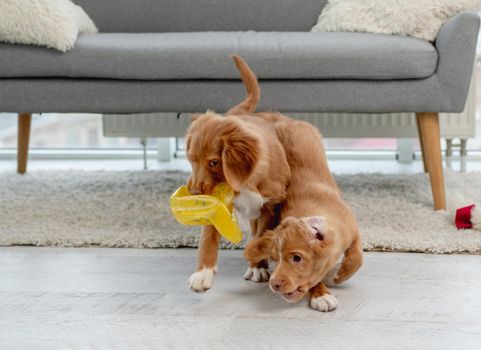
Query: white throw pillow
418, 18
51, 23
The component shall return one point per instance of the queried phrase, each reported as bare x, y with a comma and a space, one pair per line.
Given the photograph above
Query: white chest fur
248, 204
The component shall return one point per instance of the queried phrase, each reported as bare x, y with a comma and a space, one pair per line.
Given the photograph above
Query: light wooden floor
93, 298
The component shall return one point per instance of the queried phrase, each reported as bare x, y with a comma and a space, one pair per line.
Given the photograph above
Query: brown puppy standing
317, 227
242, 150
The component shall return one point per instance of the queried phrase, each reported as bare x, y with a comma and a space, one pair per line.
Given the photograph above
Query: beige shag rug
130, 209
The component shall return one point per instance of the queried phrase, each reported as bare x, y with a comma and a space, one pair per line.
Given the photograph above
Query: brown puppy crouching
244, 151
317, 227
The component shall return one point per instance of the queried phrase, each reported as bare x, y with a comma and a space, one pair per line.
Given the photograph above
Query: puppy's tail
251, 85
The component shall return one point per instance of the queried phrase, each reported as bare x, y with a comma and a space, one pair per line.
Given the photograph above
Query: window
79, 131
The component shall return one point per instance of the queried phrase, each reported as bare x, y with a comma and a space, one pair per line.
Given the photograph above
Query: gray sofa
173, 56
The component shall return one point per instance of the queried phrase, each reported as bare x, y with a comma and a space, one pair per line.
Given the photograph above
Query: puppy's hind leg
351, 262
203, 278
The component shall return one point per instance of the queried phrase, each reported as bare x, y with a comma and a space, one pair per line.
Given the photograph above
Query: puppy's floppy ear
240, 156
318, 233
317, 226
260, 248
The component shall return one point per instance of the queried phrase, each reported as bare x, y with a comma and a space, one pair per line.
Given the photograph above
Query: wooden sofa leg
431, 144
24, 122
421, 144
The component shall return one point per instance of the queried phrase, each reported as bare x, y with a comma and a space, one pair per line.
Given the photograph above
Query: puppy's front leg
259, 272
203, 278
321, 298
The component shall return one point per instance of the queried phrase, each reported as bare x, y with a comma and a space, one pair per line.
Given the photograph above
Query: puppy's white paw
327, 302
331, 275
202, 280
257, 274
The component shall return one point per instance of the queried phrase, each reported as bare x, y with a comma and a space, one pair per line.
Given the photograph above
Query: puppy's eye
296, 258
213, 163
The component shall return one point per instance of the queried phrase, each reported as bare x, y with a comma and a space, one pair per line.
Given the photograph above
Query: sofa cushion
205, 55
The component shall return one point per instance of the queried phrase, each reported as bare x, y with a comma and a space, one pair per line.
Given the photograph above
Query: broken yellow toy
215, 209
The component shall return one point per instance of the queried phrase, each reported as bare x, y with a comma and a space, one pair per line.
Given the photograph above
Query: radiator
332, 125
145, 125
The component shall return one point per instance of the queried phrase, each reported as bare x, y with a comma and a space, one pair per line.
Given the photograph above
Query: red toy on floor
468, 217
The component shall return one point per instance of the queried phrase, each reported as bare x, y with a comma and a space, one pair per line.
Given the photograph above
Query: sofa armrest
456, 44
